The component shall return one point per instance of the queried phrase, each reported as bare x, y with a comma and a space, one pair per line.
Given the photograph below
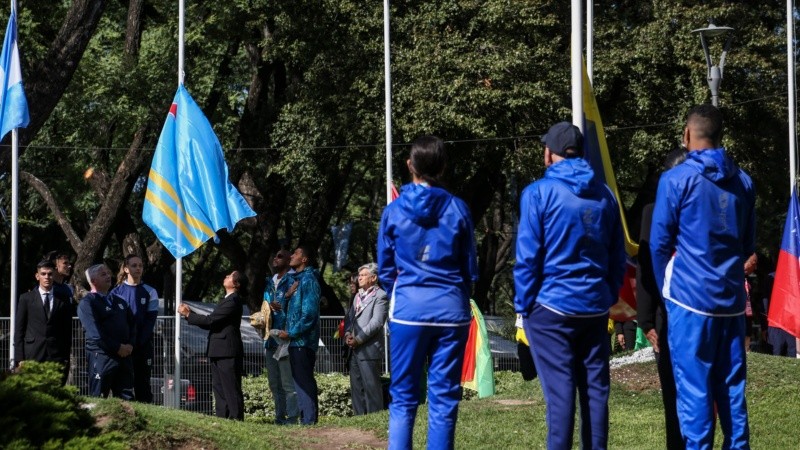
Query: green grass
512, 419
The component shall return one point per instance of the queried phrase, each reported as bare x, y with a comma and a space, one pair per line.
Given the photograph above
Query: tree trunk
119, 191
133, 32
488, 252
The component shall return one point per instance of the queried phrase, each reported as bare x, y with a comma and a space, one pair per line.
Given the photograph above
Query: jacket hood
713, 164
423, 205
576, 173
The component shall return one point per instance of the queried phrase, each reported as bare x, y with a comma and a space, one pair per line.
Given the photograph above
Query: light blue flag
189, 196
13, 105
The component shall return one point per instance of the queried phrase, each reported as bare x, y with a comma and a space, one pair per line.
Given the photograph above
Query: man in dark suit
225, 348
364, 335
44, 323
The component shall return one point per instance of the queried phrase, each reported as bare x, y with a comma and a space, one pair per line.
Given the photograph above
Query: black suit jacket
649, 305
224, 336
38, 338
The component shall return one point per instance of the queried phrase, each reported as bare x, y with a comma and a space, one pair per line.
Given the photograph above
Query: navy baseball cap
563, 136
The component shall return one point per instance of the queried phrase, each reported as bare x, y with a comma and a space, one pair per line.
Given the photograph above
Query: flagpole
792, 105
387, 82
576, 67
14, 229
387, 76
14, 237
178, 261
590, 40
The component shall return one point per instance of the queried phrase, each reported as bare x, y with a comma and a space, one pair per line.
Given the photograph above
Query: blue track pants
410, 347
571, 355
708, 359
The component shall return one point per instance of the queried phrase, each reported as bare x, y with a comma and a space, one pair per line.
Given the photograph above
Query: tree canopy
294, 91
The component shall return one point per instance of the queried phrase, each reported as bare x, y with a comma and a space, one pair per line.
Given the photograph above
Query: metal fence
196, 394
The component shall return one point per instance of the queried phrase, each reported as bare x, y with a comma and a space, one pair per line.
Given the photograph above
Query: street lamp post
714, 71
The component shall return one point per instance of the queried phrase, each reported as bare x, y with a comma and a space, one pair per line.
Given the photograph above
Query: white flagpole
178, 261
590, 39
14, 228
577, 65
791, 87
14, 239
387, 75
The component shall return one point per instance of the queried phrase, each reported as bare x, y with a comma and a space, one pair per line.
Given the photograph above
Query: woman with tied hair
426, 259
225, 348
143, 302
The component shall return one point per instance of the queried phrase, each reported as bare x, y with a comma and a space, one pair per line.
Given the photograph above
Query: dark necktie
47, 305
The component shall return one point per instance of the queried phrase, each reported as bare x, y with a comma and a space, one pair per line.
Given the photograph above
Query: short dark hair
308, 252
706, 120
45, 264
428, 159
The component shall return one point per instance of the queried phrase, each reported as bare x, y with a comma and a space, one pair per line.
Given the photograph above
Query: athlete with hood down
426, 259
570, 265
703, 230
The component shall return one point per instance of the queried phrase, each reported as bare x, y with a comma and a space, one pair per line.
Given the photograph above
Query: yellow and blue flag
13, 104
595, 151
596, 154
189, 196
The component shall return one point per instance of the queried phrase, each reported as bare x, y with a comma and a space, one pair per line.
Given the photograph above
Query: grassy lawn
512, 419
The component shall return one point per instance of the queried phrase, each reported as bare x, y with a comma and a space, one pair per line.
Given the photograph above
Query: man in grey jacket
364, 336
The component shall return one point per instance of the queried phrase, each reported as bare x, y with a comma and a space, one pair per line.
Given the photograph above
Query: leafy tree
295, 93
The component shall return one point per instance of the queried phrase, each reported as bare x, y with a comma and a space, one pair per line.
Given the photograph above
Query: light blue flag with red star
189, 196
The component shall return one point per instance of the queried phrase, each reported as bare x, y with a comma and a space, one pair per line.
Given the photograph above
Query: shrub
258, 403
334, 397
38, 411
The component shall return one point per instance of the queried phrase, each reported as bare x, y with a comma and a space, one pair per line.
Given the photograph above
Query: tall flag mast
387, 77
13, 115
189, 195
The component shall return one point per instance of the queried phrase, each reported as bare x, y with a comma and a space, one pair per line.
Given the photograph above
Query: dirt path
342, 438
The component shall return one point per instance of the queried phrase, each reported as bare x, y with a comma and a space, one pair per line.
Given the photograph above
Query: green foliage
258, 403
295, 92
334, 397
38, 411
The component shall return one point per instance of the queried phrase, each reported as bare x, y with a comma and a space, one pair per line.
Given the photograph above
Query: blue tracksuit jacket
426, 257
570, 248
704, 215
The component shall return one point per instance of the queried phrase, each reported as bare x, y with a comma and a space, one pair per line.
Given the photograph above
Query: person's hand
652, 337
621, 340
125, 350
350, 340
283, 334
275, 306
290, 292
184, 310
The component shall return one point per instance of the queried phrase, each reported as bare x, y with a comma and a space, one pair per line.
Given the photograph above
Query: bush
258, 403
38, 411
334, 397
